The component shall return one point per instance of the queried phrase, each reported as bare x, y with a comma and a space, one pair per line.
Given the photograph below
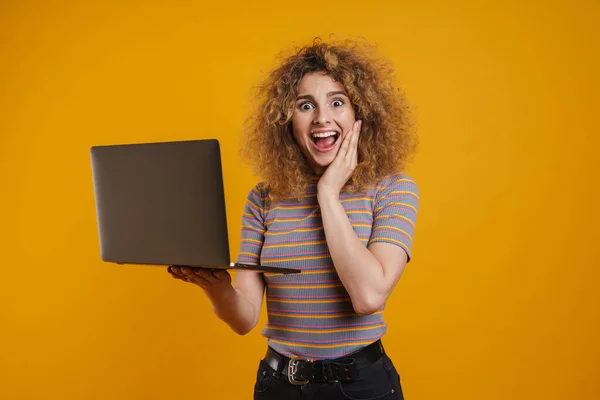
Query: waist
337, 337
300, 371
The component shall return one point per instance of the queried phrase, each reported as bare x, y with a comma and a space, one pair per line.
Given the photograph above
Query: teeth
323, 134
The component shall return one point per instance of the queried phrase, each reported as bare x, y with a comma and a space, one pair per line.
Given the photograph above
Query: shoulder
259, 191
397, 181
258, 197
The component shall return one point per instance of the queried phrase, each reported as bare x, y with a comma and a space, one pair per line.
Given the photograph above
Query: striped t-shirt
310, 314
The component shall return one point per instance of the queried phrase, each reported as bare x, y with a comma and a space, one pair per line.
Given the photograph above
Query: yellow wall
501, 301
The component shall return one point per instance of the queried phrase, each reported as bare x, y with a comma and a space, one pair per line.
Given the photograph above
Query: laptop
164, 204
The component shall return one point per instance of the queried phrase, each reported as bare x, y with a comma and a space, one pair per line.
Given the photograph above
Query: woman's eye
306, 106
337, 103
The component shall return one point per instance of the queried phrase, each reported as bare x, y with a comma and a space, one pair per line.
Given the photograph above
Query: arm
369, 274
238, 305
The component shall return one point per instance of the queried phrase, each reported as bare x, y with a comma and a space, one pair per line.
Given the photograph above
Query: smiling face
322, 116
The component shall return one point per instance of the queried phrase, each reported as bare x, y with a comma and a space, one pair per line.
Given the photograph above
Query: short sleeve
253, 227
395, 212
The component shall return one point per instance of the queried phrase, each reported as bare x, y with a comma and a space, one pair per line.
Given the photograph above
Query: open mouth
325, 140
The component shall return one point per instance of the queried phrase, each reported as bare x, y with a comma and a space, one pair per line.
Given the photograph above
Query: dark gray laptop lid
161, 203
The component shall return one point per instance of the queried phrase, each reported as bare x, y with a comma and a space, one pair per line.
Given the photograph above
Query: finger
352, 153
349, 142
181, 278
178, 269
191, 276
204, 273
192, 272
185, 271
186, 274
343, 151
175, 271
178, 273
357, 132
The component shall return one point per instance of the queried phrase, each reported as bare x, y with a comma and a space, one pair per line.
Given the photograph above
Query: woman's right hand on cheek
208, 279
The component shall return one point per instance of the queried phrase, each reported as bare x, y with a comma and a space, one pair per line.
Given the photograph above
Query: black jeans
377, 381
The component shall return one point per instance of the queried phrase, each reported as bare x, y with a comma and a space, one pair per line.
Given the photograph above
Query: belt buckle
293, 368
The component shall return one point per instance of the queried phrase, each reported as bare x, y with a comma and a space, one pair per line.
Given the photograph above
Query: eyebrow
329, 94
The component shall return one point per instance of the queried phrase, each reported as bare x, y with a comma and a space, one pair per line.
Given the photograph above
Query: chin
321, 165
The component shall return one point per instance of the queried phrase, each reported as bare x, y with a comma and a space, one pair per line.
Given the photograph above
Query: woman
329, 136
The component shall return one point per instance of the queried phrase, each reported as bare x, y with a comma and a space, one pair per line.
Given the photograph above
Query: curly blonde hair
386, 140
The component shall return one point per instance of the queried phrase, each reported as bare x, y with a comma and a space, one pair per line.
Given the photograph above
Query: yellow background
502, 299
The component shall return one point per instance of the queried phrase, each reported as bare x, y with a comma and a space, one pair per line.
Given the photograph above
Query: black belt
301, 370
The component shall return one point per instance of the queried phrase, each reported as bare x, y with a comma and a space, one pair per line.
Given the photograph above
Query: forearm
359, 270
234, 309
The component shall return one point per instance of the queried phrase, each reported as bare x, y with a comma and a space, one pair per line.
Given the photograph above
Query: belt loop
327, 371
280, 366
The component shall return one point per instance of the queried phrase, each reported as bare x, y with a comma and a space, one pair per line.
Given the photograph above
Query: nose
321, 116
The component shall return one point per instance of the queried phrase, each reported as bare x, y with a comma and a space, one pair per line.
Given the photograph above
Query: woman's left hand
341, 168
